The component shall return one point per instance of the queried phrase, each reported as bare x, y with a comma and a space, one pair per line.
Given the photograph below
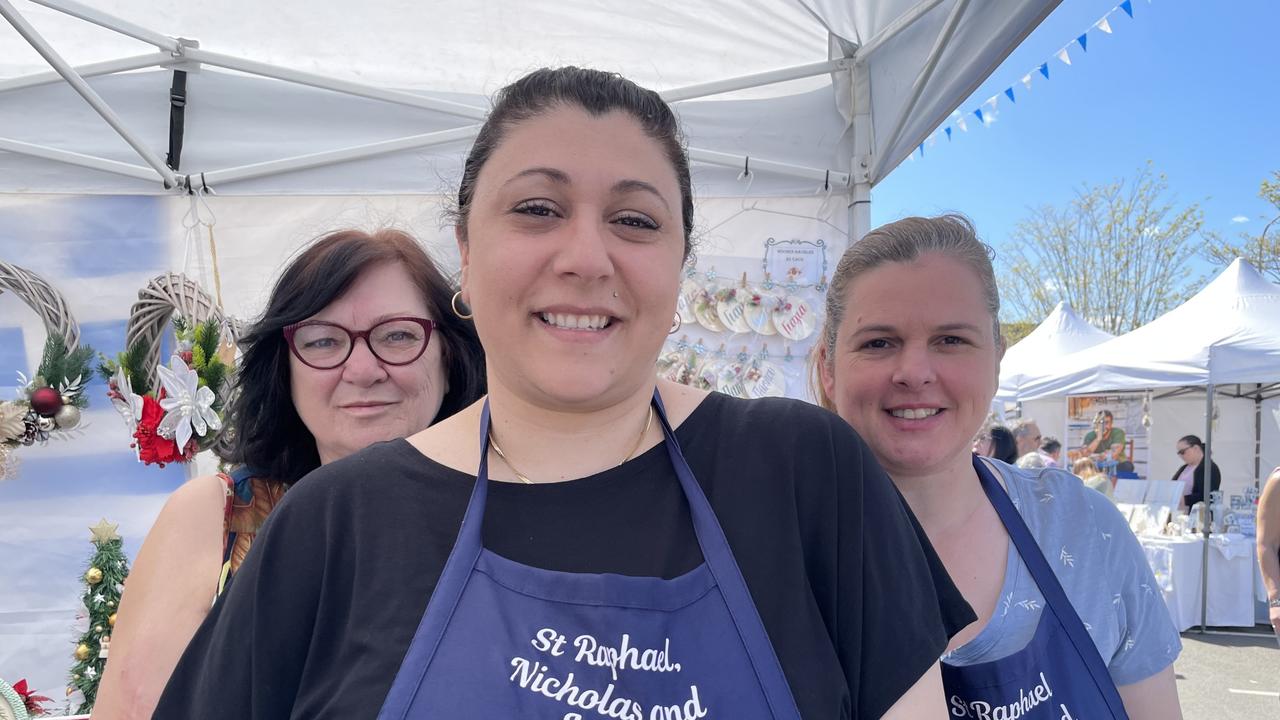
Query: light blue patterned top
1101, 567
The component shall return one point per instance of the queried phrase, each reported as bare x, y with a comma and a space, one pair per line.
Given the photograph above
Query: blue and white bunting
988, 112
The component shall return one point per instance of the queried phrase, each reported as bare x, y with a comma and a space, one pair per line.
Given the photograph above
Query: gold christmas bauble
82, 652
111, 603
93, 576
112, 620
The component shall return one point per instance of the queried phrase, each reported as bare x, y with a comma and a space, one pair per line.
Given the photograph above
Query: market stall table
1177, 561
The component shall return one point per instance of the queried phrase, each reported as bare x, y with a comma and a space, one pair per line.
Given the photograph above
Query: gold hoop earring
675, 324
453, 304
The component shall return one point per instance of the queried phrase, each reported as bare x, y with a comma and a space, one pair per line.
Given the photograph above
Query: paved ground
1229, 677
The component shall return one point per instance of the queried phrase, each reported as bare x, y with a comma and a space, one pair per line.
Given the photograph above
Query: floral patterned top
249, 500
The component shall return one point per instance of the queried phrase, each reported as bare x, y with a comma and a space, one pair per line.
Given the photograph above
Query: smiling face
364, 400
915, 363
571, 258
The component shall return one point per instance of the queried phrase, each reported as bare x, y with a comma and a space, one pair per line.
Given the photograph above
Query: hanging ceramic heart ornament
704, 310
689, 290
758, 307
731, 311
731, 374
795, 319
764, 379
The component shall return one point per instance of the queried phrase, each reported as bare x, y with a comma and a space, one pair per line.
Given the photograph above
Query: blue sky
1190, 85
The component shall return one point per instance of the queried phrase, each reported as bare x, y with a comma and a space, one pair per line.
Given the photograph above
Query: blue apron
504, 640
1059, 675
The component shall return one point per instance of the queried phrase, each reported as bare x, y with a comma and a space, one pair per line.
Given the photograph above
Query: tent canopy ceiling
904, 66
1227, 333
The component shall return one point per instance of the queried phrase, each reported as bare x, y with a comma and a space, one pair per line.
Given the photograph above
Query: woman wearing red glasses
357, 345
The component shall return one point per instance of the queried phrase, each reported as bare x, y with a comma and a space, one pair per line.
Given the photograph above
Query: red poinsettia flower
30, 698
152, 448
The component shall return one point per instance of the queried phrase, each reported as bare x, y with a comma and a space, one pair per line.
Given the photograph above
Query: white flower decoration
11, 424
128, 404
188, 406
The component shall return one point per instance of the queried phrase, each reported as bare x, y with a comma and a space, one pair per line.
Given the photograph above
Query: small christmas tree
103, 582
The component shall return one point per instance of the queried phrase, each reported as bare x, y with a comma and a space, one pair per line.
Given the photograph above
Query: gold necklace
493, 442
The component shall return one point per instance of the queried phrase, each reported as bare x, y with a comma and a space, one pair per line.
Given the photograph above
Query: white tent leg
1207, 463
37, 42
860, 212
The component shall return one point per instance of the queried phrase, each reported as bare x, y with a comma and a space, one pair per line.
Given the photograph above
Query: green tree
1117, 252
103, 582
1263, 249
1013, 332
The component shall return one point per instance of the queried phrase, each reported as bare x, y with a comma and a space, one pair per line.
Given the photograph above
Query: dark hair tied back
594, 91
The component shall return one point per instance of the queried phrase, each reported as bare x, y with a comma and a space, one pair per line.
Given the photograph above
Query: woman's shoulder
1056, 494
206, 494
379, 467
779, 417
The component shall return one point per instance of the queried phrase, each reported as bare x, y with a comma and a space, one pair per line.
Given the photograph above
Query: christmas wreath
173, 411
48, 405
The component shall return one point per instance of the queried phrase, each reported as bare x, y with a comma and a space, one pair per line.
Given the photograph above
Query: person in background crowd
1004, 447
1269, 546
308, 392
1026, 434
1051, 449
1105, 441
1191, 473
1087, 470
1031, 461
489, 566
910, 356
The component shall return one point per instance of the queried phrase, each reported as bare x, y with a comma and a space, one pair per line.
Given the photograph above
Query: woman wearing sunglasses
357, 345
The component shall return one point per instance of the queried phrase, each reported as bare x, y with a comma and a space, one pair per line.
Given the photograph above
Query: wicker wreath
49, 403
41, 297
157, 302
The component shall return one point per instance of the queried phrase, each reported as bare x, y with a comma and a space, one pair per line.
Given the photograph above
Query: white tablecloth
1177, 564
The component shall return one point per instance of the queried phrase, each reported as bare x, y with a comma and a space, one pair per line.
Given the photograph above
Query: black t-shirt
853, 597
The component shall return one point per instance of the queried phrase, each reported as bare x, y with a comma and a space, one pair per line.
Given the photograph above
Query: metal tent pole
100, 106
111, 22
744, 82
922, 80
109, 67
1207, 463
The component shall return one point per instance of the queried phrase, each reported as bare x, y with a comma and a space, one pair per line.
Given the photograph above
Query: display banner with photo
1110, 429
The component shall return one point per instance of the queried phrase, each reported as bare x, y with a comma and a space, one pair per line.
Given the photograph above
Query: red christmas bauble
46, 401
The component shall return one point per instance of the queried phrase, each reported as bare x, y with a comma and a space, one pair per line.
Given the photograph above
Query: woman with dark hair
589, 541
357, 345
1191, 473
1004, 446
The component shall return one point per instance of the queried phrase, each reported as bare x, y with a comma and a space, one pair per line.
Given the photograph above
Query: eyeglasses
1183, 450
325, 345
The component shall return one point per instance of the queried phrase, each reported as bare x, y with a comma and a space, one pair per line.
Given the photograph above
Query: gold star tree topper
104, 531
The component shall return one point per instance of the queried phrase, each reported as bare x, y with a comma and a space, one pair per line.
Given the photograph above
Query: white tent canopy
1228, 333
820, 92
1061, 333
